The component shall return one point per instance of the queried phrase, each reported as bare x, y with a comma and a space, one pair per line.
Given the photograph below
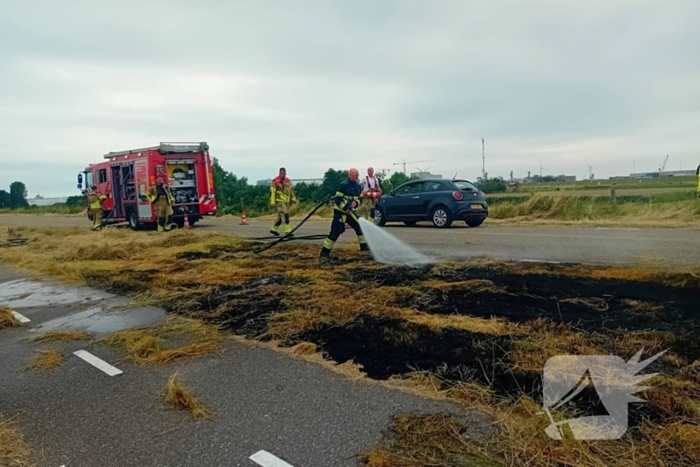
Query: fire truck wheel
134, 220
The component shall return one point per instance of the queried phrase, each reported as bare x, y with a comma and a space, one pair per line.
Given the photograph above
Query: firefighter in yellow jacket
281, 195
697, 174
95, 200
163, 201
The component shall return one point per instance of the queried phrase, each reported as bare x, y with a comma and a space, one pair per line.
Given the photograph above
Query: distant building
41, 201
667, 173
424, 175
550, 179
308, 181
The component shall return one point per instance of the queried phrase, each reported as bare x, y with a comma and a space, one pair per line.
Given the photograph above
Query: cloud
312, 85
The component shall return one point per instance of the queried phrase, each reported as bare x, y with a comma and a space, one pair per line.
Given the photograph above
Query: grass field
665, 183
475, 333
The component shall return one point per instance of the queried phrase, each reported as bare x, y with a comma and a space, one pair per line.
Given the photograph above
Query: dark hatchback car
439, 201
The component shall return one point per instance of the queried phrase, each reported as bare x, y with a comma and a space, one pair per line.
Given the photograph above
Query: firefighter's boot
325, 255
168, 224
287, 227
275, 230
364, 247
161, 223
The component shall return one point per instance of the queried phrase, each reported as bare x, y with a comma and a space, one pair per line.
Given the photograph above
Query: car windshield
465, 186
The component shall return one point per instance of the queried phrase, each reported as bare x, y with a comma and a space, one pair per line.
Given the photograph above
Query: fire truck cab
126, 176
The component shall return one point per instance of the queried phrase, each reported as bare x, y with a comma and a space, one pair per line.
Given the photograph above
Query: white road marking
266, 459
539, 261
98, 363
20, 318
629, 229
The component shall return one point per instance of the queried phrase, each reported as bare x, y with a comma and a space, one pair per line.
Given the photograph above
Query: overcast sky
318, 84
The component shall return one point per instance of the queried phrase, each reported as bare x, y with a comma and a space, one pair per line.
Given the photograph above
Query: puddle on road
29, 294
99, 322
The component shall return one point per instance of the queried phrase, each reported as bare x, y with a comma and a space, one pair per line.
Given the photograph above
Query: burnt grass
387, 347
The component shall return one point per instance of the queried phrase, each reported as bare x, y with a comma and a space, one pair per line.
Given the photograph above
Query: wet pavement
52, 307
78, 415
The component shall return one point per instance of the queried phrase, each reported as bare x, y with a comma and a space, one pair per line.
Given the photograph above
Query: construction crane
404, 163
663, 167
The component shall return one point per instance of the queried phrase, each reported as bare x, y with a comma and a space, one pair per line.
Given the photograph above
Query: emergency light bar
175, 148
165, 148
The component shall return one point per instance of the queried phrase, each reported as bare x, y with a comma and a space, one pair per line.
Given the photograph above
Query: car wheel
410, 223
441, 217
134, 220
379, 217
475, 222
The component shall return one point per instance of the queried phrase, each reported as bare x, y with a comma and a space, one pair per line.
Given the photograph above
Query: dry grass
62, 336
304, 348
7, 318
14, 452
313, 297
182, 398
45, 360
154, 346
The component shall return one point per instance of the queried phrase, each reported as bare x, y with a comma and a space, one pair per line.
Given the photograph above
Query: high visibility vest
95, 200
281, 191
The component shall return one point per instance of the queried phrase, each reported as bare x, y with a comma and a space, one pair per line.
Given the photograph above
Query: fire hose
288, 236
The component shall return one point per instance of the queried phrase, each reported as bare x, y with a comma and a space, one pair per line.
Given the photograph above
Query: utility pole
483, 160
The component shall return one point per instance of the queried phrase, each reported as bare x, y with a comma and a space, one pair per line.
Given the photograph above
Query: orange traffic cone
187, 222
244, 221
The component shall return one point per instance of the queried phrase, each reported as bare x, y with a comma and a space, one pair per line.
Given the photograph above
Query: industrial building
668, 173
41, 201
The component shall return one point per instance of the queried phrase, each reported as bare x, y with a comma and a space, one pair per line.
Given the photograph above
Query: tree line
234, 193
16, 198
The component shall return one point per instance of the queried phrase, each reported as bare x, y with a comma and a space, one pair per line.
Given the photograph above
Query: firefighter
95, 200
370, 185
281, 195
345, 202
163, 201
697, 174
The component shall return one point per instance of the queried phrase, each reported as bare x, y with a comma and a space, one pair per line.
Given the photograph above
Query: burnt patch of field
389, 275
591, 304
385, 347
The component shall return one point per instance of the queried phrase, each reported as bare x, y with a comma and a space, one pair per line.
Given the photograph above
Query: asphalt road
540, 243
78, 416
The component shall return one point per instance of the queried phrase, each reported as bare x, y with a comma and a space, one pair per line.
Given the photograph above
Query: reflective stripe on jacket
281, 191
348, 191
154, 197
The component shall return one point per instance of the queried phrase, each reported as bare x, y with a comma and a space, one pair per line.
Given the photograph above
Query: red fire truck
126, 176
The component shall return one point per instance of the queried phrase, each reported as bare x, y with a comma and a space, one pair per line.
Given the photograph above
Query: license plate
477, 206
